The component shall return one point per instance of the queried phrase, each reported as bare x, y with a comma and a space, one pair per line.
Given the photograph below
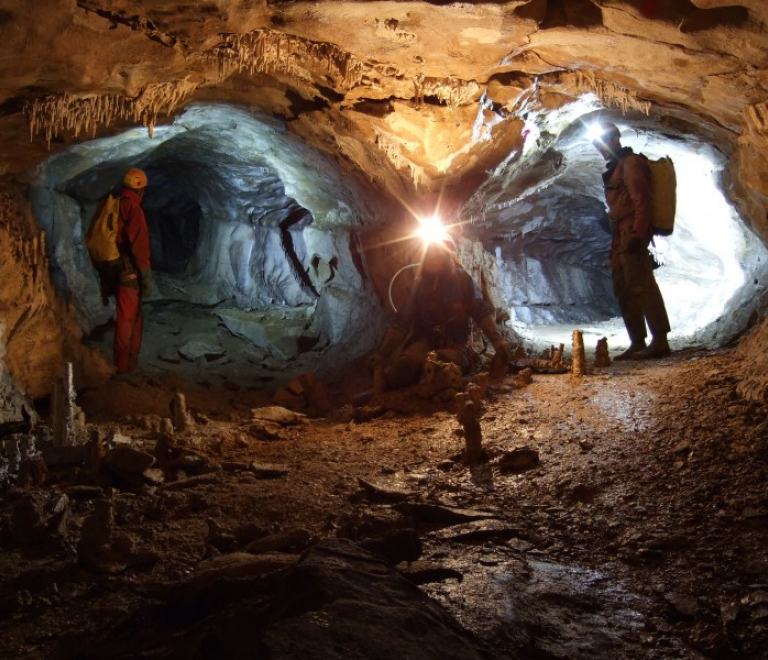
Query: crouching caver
437, 317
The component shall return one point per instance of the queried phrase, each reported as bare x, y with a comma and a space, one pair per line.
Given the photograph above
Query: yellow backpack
101, 239
664, 195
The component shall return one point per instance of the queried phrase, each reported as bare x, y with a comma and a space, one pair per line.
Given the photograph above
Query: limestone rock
192, 349
340, 587
440, 379
128, 463
278, 415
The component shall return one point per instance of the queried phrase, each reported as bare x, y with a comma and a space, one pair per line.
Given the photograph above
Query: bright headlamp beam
431, 230
595, 132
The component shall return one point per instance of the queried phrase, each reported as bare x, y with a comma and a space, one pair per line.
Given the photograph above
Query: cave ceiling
416, 97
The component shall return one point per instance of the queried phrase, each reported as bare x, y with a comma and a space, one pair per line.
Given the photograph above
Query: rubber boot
634, 347
362, 398
379, 387
658, 348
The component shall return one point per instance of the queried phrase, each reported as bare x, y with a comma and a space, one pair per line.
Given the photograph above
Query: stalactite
52, 115
418, 90
276, 53
607, 93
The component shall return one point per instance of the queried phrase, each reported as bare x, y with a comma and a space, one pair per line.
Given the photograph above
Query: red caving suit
133, 243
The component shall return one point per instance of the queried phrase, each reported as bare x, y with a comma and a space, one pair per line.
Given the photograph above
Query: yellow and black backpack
101, 241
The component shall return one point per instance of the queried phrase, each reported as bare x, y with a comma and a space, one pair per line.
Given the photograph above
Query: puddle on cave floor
524, 606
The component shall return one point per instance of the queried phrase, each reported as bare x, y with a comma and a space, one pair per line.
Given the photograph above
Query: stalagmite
578, 368
467, 414
475, 392
182, 420
602, 358
65, 413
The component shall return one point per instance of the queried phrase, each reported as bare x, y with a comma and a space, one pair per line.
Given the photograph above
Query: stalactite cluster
276, 53
608, 94
52, 115
451, 91
391, 149
28, 251
269, 52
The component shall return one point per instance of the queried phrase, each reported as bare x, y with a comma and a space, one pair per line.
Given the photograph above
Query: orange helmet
134, 178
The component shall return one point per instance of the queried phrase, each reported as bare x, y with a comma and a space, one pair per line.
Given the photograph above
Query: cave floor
640, 532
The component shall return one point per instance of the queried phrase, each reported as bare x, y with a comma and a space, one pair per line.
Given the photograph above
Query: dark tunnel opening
174, 219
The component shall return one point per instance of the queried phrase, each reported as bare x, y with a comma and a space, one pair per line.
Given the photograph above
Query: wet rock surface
337, 601
639, 530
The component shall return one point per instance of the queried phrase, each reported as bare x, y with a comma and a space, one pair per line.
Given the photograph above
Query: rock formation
280, 135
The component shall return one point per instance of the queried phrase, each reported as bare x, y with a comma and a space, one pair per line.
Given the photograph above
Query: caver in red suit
135, 281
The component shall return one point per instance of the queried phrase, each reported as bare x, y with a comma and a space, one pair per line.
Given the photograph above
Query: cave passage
544, 219
174, 218
242, 215
243, 219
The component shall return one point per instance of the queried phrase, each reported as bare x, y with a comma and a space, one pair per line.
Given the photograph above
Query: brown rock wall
754, 351
38, 333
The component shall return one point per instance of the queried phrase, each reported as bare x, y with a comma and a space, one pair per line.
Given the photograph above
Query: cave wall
39, 331
407, 97
256, 192
416, 95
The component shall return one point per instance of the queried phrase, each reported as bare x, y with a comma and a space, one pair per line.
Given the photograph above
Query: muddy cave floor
642, 531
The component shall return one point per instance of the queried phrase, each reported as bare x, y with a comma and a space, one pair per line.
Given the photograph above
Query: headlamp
431, 230
603, 132
595, 131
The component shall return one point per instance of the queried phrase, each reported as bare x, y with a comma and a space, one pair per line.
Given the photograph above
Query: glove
147, 285
635, 245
